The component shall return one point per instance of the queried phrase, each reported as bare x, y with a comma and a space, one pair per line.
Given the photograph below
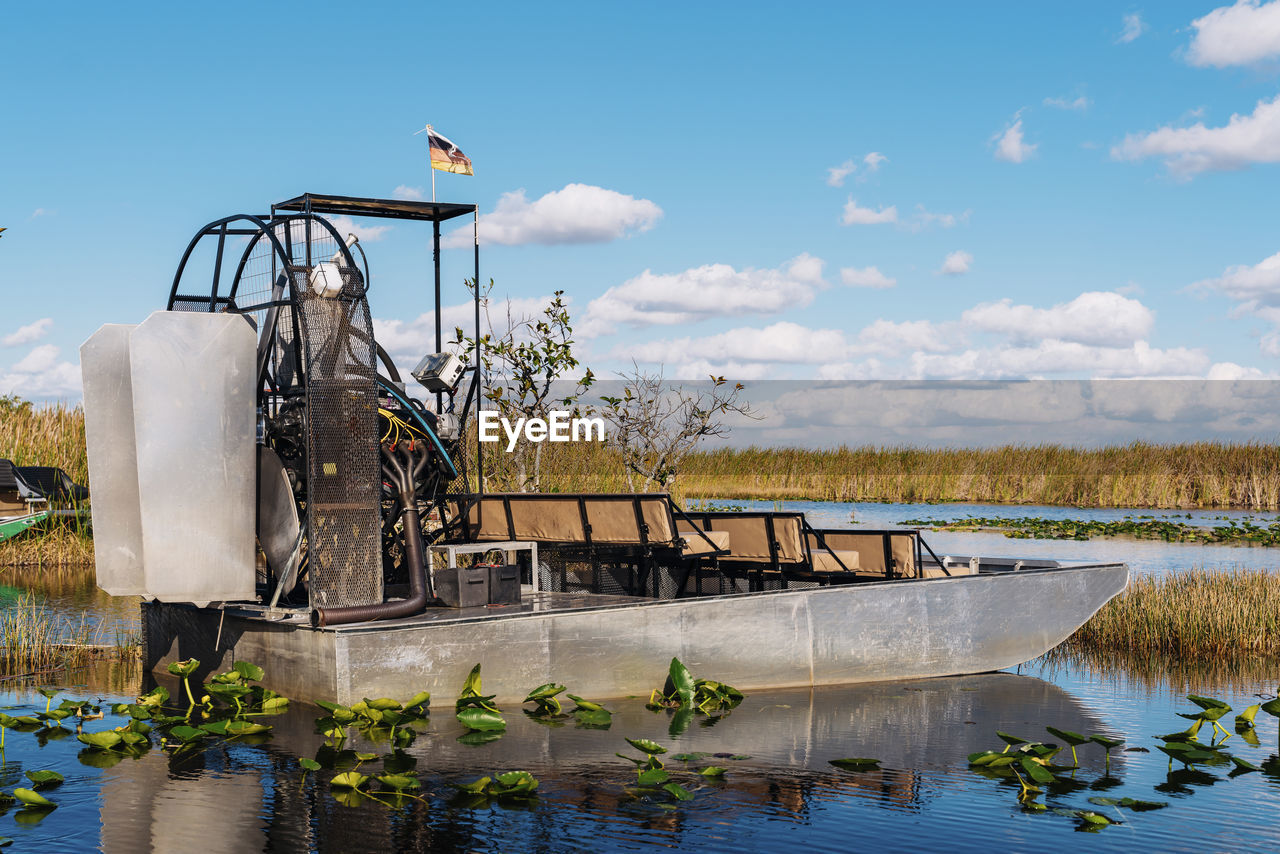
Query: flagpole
431, 165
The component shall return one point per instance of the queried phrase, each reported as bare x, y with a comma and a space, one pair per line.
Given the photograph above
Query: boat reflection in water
253, 797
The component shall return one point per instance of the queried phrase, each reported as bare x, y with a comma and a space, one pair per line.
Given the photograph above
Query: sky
890, 191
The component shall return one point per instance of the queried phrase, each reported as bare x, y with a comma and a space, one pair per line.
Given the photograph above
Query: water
1142, 556
238, 798
242, 797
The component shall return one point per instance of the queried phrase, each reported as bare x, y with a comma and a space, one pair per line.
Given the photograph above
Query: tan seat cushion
696, 545
825, 561
953, 570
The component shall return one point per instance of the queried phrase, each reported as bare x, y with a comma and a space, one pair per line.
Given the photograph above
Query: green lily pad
712, 771
29, 796
1244, 764
475, 787
856, 764
584, 704
100, 740
653, 777
399, 782
184, 668
595, 718
644, 745
680, 793
309, 764
248, 671
349, 780
44, 779
483, 720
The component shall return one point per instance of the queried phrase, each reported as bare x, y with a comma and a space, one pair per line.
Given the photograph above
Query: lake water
784, 793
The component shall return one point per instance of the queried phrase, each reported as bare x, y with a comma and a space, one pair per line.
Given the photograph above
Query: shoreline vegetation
1138, 475
1194, 614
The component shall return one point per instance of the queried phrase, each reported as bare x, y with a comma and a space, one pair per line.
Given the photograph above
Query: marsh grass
1141, 474
1202, 474
35, 639
51, 435
1195, 614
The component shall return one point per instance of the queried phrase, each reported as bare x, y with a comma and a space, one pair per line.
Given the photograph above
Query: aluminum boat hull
605, 646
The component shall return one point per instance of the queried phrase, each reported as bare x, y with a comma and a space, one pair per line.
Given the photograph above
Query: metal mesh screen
344, 524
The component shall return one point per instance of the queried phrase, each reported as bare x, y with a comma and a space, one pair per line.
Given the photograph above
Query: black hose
420, 591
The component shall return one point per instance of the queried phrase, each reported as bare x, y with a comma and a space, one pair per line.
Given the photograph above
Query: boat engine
352, 470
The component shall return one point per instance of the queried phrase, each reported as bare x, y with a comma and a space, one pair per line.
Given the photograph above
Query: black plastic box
504, 584
463, 586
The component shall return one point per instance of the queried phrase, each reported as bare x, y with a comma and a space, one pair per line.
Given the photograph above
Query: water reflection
1141, 555
242, 799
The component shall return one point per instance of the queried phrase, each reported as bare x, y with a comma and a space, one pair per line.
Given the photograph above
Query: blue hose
426, 428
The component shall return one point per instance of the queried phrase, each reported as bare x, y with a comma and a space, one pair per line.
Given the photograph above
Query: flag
446, 156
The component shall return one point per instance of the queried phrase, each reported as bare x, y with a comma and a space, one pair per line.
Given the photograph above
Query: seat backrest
8, 483
870, 549
612, 519
749, 535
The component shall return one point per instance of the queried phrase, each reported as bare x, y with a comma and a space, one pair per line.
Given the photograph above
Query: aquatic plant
681, 690
474, 710
1195, 613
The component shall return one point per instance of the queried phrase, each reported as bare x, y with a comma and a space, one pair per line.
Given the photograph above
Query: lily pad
856, 764
653, 777
349, 780
644, 745
680, 793
29, 796
44, 779
100, 740
483, 720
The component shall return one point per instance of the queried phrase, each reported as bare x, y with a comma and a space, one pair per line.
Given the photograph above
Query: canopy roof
388, 208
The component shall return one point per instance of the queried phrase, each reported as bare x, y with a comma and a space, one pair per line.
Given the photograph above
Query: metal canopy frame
435, 213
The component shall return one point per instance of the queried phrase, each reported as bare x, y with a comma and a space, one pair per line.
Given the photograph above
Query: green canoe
14, 525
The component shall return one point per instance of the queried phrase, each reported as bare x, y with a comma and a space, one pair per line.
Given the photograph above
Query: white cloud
854, 215
579, 213
40, 375
408, 194
1010, 145
1134, 26
1068, 103
367, 233
39, 212
784, 342
873, 161
1094, 317
956, 264
1254, 285
924, 218
866, 277
28, 334
712, 290
1061, 357
1254, 138
413, 339
890, 338
1244, 34
837, 174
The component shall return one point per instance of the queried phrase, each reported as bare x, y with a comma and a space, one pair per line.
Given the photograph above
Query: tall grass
1191, 614
1141, 474
34, 639
51, 435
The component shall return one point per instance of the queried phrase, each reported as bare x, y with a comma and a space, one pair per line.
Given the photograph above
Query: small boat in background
31, 494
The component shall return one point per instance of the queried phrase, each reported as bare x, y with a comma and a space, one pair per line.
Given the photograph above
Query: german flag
446, 156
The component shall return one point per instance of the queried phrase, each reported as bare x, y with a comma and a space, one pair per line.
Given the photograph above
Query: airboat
276, 491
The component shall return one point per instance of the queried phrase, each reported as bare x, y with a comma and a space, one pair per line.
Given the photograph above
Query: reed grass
51, 435
1195, 613
35, 639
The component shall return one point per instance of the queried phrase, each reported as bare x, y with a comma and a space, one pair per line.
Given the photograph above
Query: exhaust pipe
420, 591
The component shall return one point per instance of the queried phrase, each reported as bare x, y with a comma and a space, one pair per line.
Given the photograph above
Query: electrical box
440, 371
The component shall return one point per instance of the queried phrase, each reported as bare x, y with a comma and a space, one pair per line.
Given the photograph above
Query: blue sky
1058, 191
